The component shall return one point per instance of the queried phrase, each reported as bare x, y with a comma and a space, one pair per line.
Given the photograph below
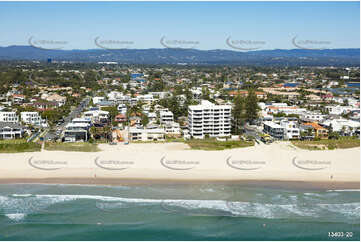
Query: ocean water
176, 212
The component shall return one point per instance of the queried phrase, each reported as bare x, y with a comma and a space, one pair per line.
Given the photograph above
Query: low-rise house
87, 121
318, 130
122, 108
96, 100
138, 134
97, 116
273, 129
312, 117
172, 128
76, 131
44, 105
11, 130
291, 130
59, 100
120, 118
344, 126
9, 117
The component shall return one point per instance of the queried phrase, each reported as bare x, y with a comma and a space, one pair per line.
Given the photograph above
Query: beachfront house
11, 130
273, 129
139, 134
76, 132
291, 129
317, 130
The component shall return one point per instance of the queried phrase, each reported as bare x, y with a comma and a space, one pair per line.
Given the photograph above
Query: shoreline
173, 163
296, 185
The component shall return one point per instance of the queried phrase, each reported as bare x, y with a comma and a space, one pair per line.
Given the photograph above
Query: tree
251, 106
238, 113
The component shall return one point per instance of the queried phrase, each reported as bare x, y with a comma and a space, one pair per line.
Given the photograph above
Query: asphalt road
51, 134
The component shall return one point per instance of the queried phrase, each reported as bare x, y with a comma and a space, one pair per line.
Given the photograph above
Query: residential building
208, 119
275, 130
10, 130
32, 118
291, 130
138, 134
9, 117
318, 130
166, 116
76, 131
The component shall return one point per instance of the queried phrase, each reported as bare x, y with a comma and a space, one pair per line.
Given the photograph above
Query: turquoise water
176, 212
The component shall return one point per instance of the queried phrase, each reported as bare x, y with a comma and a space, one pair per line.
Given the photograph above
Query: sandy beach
176, 162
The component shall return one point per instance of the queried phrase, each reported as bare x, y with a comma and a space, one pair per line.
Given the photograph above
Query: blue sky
268, 25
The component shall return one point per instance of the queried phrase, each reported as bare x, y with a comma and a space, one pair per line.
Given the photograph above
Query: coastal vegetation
79, 146
18, 145
330, 144
213, 144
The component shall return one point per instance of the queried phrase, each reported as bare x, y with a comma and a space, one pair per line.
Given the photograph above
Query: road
73, 114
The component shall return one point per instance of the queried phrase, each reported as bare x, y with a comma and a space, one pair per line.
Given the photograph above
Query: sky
200, 25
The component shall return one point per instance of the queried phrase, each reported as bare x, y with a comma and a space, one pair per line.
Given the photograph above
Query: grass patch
330, 144
78, 147
212, 144
18, 145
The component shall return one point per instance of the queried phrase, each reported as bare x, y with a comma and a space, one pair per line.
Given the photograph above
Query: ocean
177, 212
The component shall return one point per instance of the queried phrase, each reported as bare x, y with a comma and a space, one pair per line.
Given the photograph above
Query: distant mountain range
277, 57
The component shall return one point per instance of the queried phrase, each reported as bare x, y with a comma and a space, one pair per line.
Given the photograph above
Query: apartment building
9, 117
208, 119
32, 118
166, 117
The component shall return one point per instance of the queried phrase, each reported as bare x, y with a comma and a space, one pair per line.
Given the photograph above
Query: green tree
252, 107
238, 113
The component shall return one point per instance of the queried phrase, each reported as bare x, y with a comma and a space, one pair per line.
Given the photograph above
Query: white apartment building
9, 117
166, 117
209, 119
31, 118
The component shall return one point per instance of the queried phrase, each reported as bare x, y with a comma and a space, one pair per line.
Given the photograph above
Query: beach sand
175, 162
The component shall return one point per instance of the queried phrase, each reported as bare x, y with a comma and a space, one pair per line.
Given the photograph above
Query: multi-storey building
9, 117
273, 129
31, 118
208, 119
166, 117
